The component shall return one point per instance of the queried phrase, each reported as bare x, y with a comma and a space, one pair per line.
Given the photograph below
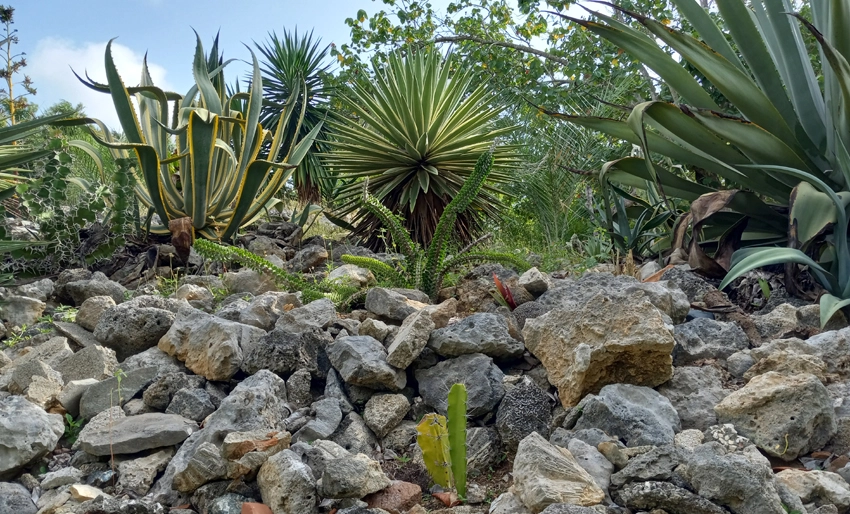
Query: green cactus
457, 436
432, 436
443, 443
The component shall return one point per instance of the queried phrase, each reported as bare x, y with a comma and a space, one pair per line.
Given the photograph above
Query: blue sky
59, 34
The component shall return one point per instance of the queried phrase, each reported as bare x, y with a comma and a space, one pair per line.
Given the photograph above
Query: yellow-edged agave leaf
121, 99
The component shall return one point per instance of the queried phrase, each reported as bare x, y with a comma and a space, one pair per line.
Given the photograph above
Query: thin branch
521, 48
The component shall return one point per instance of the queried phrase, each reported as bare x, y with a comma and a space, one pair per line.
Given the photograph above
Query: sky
58, 35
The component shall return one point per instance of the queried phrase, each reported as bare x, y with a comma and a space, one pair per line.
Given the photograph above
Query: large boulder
362, 361
786, 416
482, 332
28, 433
587, 346
210, 346
483, 380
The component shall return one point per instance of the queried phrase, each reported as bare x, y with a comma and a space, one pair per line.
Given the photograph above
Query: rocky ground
599, 394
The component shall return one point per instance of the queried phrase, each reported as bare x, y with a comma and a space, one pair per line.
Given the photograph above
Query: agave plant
781, 155
204, 162
415, 134
291, 63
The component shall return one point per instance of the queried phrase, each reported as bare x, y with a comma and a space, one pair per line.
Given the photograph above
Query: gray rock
334, 389
655, 465
509, 503
667, 297
20, 311
40, 289
248, 281
638, 415
705, 338
100, 422
817, 487
137, 433
109, 505
107, 393
375, 328
197, 296
72, 392
694, 392
742, 482
389, 304
60, 477
483, 380
257, 403
263, 311
354, 435
154, 357
230, 503
565, 508
210, 346
15, 499
129, 329
545, 474
287, 485
483, 447
318, 314
98, 285
689, 282
65, 277
95, 362
596, 465
411, 338
24, 374
327, 418
384, 412
193, 404
529, 310
524, 409
90, 312
483, 332
739, 363
232, 308
137, 475
362, 361
352, 477
298, 389
666, 496
206, 465
160, 393
352, 275
534, 282
283, 351
28, 434
317, 455
786, 416
77, 334
307, 259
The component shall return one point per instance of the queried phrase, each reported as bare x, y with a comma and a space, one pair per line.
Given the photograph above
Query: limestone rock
327, 418
287, 485
284, 350
352, 275
130, 329
20, 311
95, 362
318, 314
483, 380
137, 475
601, 342
15, 499
525, 409
482, 332
694, 392
705, 338
97, 285
137, 433
115, 391
28, 434
390, 304
352, 476
666, 496
535, 282
362, 361
384, 412
92, 310
205, 466
410, 339
818, 487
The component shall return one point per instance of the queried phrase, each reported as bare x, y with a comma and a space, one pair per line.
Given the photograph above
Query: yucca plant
204, 163
291, 63
782, 154
415, 133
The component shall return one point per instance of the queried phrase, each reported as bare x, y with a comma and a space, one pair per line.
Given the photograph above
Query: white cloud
50, 68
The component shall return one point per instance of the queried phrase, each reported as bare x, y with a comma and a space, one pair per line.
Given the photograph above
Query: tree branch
521, 48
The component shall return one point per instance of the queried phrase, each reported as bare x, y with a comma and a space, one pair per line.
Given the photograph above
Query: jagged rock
95, 362
28, 434
20, 311
529, 310
743, 482
776, 324
98, 285
689, 438
103, 504
482, 332
596, 465
788, 363
566, 508
137, 475
160, 393
601, 342
263, 311
483, 447
283, 351
25, 373
362, 361
75, 333
130, 329
318, 314
509, 503
40, 289
739, 363
524, 409
307, 259
694, 392
545, 474
705, 338
384, 412
72, 392
248, 281
786, 416
114, 391
15, 499
351, 275
352, 476
535, 282
298, 389
817, 487
334, 389
693, 285
483, 380
398, 497
154, 357
666, 496
206, 465
390, 304
354, 435
193, 404
210, 346
328, 417
375, 328
60, 477
92, 310
638, 415
287, 485
137, 433
410, 339
655, 465
198, 297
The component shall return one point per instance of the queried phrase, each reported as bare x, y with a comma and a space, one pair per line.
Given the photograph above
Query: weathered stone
655, 465
705, 338
524, 409
205, 466
25, 373
351, 275
483, 332
98, 285
72, 392
318, 314
692, 284
483, 380
374, 328
95, 362
817, 487
283, 351
535, 282
21, 311
298, 389
354, 435
788, 363
15, 499
160, 393
193, 404
777, 323
90, 312
636, 414
115, 391
137, 475
60, 477
596, 465
397, 498
210, 346
154, 357
786, 416
28, 434
410, 339
197, 296
130, 329
545, 474
390, 304
602, 342
328, 418
666, 496
694, 392
353, 476
137, 433
483, 447
263, 311
362, 361
287, 485
248, 281
384, 412
509, 503
307, 259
